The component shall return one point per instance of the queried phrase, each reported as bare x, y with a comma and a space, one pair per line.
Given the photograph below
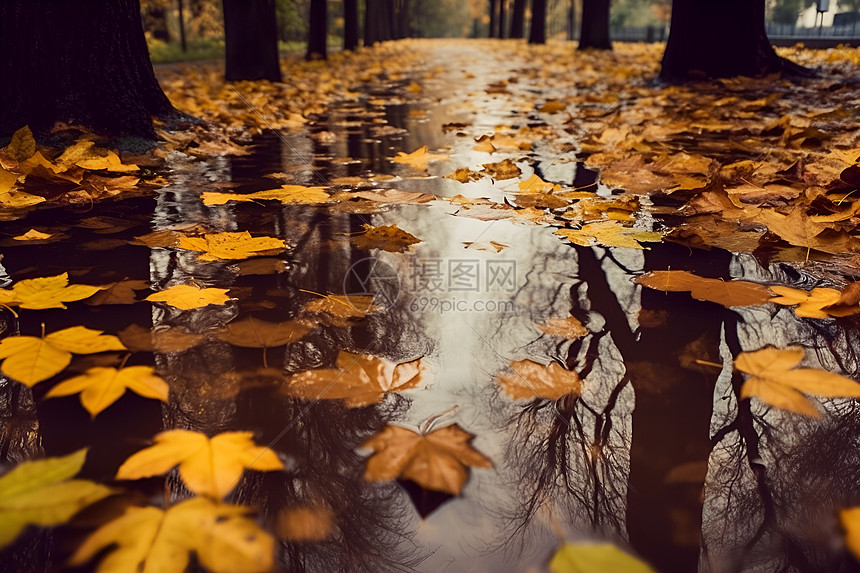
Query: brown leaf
531, 380
726, 293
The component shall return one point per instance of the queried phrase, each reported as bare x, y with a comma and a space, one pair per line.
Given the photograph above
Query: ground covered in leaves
463, 304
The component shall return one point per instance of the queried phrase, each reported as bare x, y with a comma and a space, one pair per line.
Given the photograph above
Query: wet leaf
609, 234
552, 106
313, 523
186, 297
255, 333
208, 466
531, 380
100, 387
418, 159
396, 197
491, 246
41, 493
120, 292
463, 175
111, 162
535, 184
150, 539
595, 558
437, 461
817, 303
359, 380
502, 170
31, 360
569, 328
388, 238
726, 293
774, 379
850, 520
33, 235
7, 181
46, 292
293, 194
343, 308
140, 339
231, 246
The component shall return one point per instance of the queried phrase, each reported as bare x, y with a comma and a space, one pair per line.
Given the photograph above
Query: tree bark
503, 17
318, 30
538, 29
83, 62
251, 38
494, 19
350, 24
594, 31
403, 25
372, 32
518, 15
719, 39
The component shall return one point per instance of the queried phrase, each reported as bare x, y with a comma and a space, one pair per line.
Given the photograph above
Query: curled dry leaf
208, 466
437, 461
774, 379
726, 293
359, 380
186, 297
531, 380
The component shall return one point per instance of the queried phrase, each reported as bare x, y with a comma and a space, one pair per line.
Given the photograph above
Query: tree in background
720, 39
318, 30
538, 29
503, 18
518, 15
594, 27
494, 18
83, 62
350, 24
251, 40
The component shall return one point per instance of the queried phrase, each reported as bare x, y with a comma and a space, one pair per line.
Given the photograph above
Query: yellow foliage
100, 387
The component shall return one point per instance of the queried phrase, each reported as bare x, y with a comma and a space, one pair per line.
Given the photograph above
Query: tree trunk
350, 24
719, 39
518, 14
494, 19
403, 24
385, 23
594, 31
372, 32
503, 16
251, 38
83, 62
571, 22
318, 30
538, 30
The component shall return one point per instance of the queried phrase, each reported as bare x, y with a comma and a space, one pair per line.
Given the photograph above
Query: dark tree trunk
518, 15
318, 30
385, 23
538, 30
350, 24
571, 21
494, 19
503, 17
372, 31
251, 38
403, 25
594, 33
182, 41
83, 62
719, 39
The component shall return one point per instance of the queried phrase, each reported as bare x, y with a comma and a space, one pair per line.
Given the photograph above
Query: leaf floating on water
388, 238
208, 466
42, 493
774, 379
609, 234
311, 523
418, 159
31, 360
255, 333
343, 309
819, 302
146, 539
120, 292
595, 558
726, 293
111, 162
100, 387
46, 292
293, 194
231, 246
531, 380
176, 339
186, 297
359, 380
437, 461
33, 235
569, 328
213, 198
396, 197
502, 170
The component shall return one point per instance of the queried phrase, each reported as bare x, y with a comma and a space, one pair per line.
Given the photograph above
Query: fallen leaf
255, 333
176, 339
46, 292
817, 303
396, 197
531, 380
208, 466
727, 293
303, 524
31, 360
120, 292
149, 539
231, 246
535, 184
22, 145
595, 558
359, 380
388, 238
569, 328
111, 162
774, 379
189, 296
41, 493
552, 106
343, 308
850, 520
502, 170
485, 145
491, 246
609, 234
418, 159
100, 387
33, 235
437, 461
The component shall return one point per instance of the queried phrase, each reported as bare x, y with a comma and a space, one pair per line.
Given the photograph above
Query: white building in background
809, 17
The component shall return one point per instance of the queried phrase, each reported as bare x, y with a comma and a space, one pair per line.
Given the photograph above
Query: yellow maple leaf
111, 163
609, 234
595, 558
389, 238
255, 333
343, 309
150, 539
46, 292
775, 380
19, 199
31, 360
186, 297
531, 380
100, 387
810, 304
438, 461
418, 159
211, 198
33, 235
535, 184
230, 246
42, 493
293, 194
359, 380
208, 466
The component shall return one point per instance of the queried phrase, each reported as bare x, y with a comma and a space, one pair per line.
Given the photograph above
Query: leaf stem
425, 427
